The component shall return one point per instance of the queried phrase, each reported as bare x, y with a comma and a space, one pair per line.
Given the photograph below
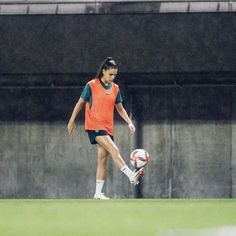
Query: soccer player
100, 96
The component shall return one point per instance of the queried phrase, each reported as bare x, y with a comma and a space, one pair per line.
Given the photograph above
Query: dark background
177, 78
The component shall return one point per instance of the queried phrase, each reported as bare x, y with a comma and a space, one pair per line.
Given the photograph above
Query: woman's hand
131, 128
70, 127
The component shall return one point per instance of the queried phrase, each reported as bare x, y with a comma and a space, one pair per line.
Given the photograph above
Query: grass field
124, 217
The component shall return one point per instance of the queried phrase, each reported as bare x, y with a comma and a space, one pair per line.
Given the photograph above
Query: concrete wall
140, 42
233, 142
38, 159
188, 131
192, 149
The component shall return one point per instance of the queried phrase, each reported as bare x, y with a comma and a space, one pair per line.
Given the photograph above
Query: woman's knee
108, 145
115, 151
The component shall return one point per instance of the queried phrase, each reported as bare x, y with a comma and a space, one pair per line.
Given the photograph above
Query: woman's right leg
107, 143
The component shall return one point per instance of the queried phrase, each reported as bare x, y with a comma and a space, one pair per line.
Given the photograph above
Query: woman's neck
103, 80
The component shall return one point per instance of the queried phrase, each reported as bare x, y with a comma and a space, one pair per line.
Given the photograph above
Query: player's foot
135, 178
101, 196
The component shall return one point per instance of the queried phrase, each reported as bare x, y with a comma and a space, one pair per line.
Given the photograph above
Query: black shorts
94, 133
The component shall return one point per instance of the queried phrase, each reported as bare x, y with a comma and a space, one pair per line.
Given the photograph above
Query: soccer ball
139, 158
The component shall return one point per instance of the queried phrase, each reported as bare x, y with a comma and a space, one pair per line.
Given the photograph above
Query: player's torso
103, 99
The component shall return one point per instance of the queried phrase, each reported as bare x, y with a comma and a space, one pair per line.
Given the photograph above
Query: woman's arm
122, 112
71, 124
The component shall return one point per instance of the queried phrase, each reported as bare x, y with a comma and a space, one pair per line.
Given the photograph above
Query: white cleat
135, 178
101, 196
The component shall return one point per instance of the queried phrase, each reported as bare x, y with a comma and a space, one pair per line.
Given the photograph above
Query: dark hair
108, 63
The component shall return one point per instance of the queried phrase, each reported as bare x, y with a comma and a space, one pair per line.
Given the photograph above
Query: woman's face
109, 75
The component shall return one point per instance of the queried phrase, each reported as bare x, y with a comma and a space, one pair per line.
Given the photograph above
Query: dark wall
188, 131
178, 82
139, 42
37, 104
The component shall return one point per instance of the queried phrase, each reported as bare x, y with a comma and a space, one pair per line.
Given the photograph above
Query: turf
124, 217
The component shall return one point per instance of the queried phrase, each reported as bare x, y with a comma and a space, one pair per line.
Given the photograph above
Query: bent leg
107, 143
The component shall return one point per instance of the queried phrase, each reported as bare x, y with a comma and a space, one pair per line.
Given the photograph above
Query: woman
100, 96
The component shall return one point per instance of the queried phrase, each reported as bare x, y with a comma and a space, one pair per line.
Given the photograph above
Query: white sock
127, 171
99, 186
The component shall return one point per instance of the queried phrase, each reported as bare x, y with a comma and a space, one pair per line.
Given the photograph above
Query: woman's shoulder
115, 85
93, 81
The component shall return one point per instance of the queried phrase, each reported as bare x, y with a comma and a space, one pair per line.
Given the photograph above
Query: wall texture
188, 131
188, 127
140, 42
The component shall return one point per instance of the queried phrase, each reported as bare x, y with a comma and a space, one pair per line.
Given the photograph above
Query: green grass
124, 217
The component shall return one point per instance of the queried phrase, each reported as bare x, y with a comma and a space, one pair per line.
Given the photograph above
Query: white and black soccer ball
139, 158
